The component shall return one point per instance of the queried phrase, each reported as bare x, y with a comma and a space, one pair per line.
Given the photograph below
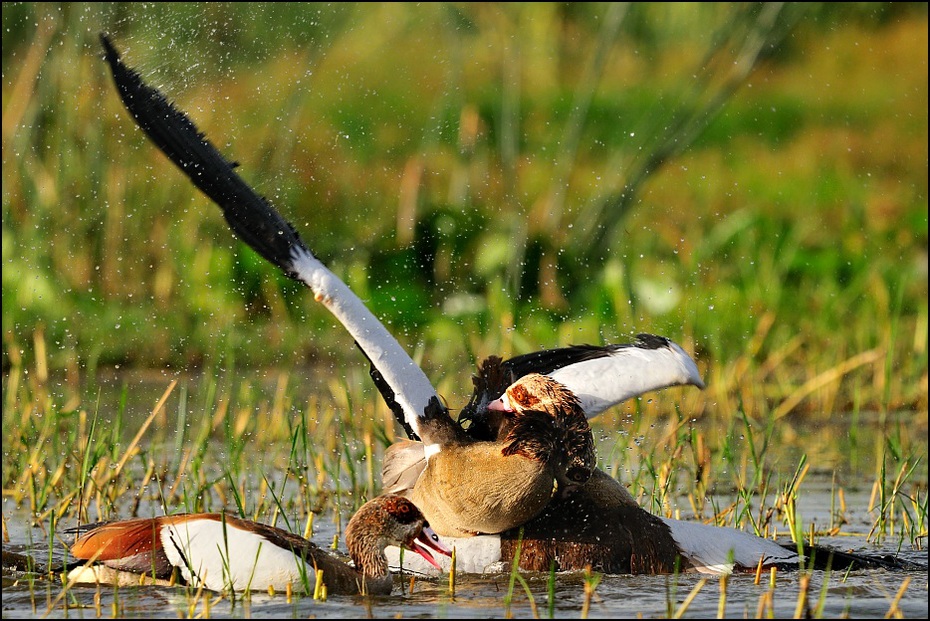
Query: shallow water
865, 593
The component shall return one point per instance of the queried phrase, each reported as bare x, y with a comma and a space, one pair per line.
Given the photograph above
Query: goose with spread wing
599, 524
622, 371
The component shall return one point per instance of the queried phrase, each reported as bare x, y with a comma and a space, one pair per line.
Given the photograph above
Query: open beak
426, 542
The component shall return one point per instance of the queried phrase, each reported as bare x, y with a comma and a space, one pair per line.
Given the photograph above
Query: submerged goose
599, 525
222, 552
601, 531
599, 376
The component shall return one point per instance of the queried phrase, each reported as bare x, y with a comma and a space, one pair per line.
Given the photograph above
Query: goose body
471, 487
221, 552
623, 370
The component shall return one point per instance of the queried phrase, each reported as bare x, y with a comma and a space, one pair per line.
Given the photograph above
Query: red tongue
428, 540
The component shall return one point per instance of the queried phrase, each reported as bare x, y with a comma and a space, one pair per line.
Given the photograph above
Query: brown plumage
600, 526
223, 552
470, 487
536, 393
598, 523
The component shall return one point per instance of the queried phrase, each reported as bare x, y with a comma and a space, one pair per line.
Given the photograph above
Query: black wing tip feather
823, 558
250, 216
387, 394
111, 54
549, 360
650, 341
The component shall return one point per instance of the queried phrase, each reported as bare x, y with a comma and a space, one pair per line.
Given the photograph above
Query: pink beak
502, 404
428, 540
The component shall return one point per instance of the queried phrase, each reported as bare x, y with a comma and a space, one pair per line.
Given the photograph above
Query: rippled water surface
865, 593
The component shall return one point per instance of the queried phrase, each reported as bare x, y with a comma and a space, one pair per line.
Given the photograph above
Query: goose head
385, 521
539, 416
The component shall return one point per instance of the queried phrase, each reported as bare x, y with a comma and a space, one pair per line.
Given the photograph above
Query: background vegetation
749, 180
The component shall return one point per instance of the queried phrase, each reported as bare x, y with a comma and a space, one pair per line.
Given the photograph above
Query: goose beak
426, 541
501, 405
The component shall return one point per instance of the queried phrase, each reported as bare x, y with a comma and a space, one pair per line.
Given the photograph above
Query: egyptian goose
473, 487
604, 375
402, 383
649, 364
221, 552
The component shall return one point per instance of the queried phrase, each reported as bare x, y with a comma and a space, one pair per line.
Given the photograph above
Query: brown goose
596, 522
593, 377
599, 376
221, 552
470, 487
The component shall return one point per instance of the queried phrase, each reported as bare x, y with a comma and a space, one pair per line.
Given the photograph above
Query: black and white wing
258, 224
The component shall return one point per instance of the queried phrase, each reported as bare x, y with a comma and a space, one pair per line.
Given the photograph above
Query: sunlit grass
786, 249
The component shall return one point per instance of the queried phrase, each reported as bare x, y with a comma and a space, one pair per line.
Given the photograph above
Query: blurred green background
747, 179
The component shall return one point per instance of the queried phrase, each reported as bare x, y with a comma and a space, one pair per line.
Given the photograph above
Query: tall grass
785, 247
411, 146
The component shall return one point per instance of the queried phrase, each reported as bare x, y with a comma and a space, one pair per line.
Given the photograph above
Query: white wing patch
219, 556
717, 550
412, 389
628, 372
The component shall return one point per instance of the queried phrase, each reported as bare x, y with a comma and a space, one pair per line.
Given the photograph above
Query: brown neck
367, 552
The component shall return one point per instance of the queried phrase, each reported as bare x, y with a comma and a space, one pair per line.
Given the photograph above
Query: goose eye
523, 396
